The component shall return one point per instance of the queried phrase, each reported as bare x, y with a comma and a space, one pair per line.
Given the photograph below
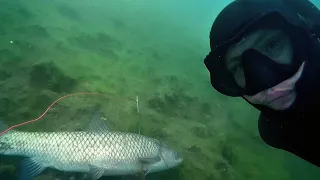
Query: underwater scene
121, 79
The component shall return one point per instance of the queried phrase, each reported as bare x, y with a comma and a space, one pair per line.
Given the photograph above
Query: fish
97, 151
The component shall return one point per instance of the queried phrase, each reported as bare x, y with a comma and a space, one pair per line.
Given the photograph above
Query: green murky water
122, 48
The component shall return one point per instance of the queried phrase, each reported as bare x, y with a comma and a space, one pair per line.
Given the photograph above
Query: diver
268, 53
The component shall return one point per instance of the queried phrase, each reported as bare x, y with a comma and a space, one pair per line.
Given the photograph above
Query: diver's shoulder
281, 130
298, 136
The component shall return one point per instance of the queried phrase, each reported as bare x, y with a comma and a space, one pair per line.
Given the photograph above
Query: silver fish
98, 151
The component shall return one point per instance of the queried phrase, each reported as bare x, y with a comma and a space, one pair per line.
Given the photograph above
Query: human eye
273, 47
236, 69
234, 65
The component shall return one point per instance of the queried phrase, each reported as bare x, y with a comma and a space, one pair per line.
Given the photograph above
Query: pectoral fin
30, 168
146, 163
96, 172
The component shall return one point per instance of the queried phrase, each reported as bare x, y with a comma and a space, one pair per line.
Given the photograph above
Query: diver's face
277, 46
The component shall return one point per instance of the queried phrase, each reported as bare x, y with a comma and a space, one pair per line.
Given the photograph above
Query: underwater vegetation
173, 103
228, 154
202, 131
29, 49
177, 102
8, 60
68, 12
12, 15
100, 43
48, 76
33, 31
27, 85
194, 149
118, 24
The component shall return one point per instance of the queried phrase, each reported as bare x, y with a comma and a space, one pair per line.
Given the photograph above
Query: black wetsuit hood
238, 15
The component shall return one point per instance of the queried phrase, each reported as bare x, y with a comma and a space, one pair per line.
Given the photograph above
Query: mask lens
262, 73
221, 79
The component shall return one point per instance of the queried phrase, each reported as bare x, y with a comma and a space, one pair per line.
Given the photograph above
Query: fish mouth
179, 156
180, 161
